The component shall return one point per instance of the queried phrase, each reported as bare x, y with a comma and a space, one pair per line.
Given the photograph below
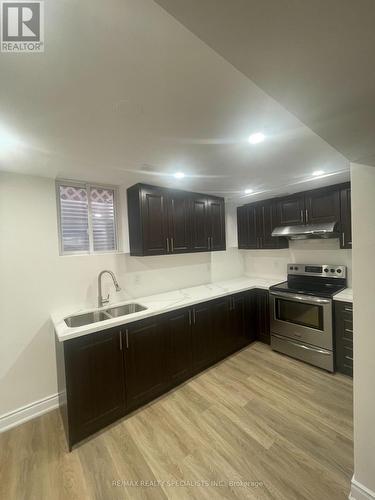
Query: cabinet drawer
344, 337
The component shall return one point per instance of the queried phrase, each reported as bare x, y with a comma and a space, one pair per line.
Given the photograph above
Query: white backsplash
273, 263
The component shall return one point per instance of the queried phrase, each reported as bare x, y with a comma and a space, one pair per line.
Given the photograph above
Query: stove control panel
321, 270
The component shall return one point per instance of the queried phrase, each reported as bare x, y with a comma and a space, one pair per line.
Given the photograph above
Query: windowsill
96, 254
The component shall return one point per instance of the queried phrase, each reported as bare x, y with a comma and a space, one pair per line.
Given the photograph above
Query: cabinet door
221, 327
263, 316
242, 227
179, 346
247, 227
203, 341
346, 217
292, 210
95, 382
199, 224
251, 315
268, 219
322, 205
179, 222
216, 223
239, 326
145, 361
154, 221
344, 337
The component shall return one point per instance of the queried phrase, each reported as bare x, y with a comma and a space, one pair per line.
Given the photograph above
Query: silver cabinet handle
301, 215
167, 245
350, 243
194, 316
172, 245
307, 215
343, 239
120, 336
127, 338
189, 317
208, 242
212, 242
348, 309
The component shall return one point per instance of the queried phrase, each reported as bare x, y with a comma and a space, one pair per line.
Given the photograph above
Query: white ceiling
124, 93
315, 57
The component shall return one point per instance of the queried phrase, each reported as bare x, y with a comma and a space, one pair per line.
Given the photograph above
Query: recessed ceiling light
318, 172
256, 138
179, 175
248, 191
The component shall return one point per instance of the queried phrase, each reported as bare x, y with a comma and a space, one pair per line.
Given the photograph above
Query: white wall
363, 213
273, 263
35, 280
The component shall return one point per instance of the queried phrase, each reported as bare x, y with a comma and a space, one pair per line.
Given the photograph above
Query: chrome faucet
102, 301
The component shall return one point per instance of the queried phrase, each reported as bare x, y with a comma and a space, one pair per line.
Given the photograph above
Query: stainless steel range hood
303, 232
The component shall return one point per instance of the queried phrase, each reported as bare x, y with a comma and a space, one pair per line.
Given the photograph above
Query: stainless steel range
301, 312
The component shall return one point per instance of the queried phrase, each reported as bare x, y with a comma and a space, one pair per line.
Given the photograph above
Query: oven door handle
302, 298
303, 346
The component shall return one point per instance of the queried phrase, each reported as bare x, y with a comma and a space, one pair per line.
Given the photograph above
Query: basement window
87, 218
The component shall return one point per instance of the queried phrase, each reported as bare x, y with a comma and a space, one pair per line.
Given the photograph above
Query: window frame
116, 209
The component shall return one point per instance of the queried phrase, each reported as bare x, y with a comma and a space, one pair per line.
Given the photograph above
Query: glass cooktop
318, 289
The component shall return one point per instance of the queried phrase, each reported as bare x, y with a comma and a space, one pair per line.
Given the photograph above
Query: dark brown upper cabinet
310, 207
255, 223
346, 216
179, 223
199, 223
322, 205
168, 221
268, 219
216, 223
291, 210
148, 221
247, 227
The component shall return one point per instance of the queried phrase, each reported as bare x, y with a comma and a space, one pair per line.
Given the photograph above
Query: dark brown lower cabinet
179, 345
145, 348
241, 324
263, 316
95, 383
343, 319
203, 338
105, 375
221, 328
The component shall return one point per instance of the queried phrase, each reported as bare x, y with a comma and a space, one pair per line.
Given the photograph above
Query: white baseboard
360, 492
28, 412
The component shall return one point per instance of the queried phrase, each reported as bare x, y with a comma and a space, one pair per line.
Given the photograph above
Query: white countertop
158, 304
345, 296
168, 301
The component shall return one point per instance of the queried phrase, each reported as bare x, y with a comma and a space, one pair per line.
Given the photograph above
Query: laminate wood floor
258, 425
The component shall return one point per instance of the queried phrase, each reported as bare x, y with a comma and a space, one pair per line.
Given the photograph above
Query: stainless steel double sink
102, 315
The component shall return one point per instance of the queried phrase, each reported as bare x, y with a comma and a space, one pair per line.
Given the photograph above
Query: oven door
301, 317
